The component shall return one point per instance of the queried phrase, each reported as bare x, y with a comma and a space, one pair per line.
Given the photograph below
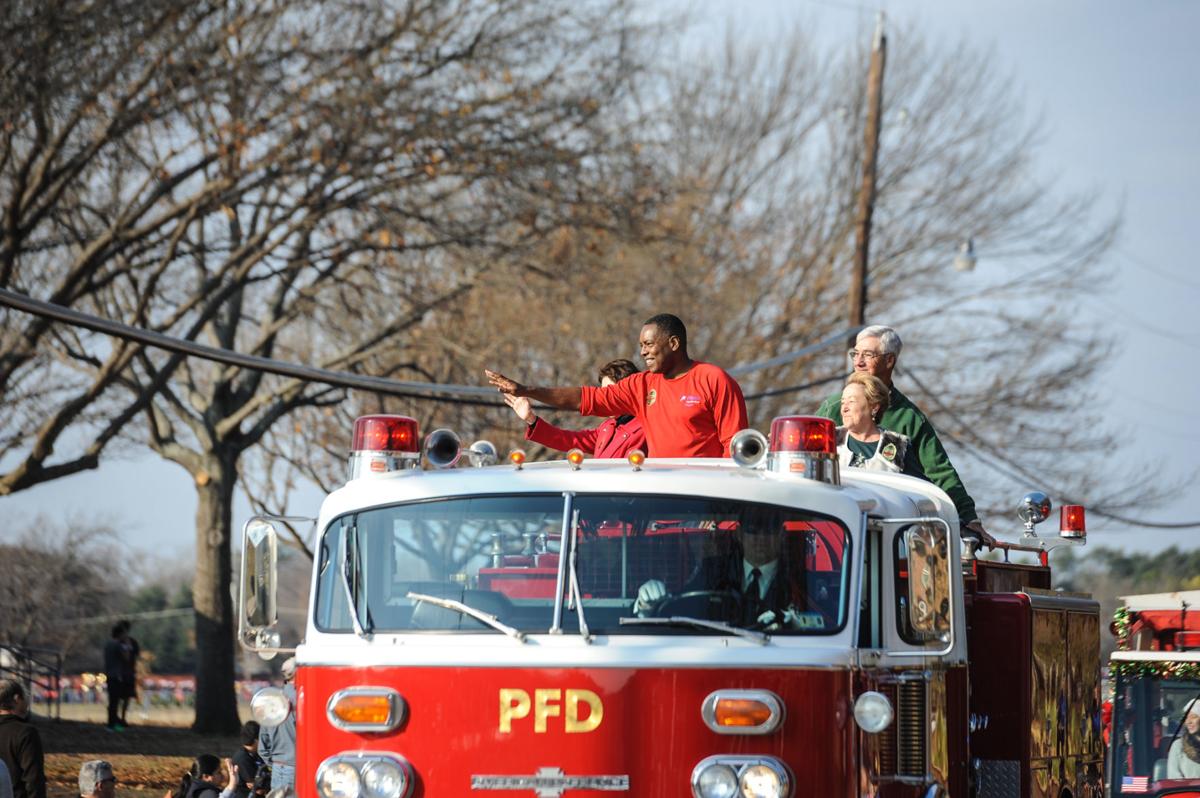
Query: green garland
1121, 622
1170, 670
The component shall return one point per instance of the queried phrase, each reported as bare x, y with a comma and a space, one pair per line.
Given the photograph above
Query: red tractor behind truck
1154, 732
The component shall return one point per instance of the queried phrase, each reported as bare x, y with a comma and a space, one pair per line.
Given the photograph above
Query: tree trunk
216, 701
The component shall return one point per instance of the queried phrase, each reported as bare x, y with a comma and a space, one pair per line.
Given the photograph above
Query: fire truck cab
760, 626
1155, 676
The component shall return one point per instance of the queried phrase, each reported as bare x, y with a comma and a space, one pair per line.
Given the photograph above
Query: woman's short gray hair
889, 339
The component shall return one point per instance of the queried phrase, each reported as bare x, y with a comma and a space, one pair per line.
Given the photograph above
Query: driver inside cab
747, 563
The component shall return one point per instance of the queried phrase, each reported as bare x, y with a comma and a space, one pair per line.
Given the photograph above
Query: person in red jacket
687, 408
616, 437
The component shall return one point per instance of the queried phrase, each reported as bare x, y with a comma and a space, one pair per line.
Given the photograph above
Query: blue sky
1117, 86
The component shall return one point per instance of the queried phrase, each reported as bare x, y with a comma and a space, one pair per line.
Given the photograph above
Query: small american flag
1135, 784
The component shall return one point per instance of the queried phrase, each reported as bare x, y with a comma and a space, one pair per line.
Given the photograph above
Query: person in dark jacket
616, 437
20, 743
247, 761
209, 777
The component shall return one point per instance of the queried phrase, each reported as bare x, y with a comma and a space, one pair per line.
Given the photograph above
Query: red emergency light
805, 446
385, 434
803, 434
381, 444
1071, 521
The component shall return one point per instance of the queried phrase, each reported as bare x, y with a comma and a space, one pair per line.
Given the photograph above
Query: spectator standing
130, 652
114, 674
96, 780
277, 744
247, 761
616, 437
20, 743
687, 408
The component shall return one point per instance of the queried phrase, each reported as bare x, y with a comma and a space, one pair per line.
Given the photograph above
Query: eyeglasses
854, 354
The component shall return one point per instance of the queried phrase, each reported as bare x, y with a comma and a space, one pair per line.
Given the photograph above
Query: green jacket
904, 417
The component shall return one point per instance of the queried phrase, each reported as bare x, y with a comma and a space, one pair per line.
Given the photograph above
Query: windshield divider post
350, 601
564, 553
576, 593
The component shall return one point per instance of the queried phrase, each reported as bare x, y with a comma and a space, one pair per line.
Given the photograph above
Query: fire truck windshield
741, 564
1155, 731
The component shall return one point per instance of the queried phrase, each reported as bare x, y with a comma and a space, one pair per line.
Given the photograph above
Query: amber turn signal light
741, 712
365, 710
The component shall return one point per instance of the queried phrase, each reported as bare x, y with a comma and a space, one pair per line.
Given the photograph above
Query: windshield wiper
467, 609
682, 620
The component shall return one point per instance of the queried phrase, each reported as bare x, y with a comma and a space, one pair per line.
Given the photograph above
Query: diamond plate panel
999, 778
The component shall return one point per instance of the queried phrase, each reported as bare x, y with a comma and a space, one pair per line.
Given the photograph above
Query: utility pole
866, 194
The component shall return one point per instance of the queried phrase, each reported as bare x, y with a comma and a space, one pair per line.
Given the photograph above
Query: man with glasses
875, 352
96, 780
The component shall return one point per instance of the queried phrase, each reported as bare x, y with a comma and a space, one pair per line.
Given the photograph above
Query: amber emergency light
636, 458
382, 444
805, 446
575, 458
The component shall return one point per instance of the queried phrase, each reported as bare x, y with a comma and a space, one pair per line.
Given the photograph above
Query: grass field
148, 757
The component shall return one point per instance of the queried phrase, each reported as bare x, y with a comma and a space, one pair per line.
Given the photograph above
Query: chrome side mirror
929, 600
259, 610
1033, 509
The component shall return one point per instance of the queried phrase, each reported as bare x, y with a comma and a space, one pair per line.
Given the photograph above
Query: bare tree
304, 181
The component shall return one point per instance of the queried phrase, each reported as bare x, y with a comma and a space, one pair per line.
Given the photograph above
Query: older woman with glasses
862, 443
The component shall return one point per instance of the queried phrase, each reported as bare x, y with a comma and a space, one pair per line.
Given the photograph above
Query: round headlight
761, 781
384, 779
717, 781
873, 712
270, 706
339, 780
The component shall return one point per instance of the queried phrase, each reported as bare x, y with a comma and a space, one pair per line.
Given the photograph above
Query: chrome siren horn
748, 448
442, 448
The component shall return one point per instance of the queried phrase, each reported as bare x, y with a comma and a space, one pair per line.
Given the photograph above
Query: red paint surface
652, 729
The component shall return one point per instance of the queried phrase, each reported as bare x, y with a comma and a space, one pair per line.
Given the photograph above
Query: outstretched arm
562, 398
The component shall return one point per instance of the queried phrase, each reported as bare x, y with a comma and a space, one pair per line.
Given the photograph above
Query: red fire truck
762, 625
1155, 675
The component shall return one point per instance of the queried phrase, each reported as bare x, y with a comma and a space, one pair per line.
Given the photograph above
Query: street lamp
965, 260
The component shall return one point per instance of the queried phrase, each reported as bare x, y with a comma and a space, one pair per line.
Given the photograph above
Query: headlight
763, 781
744, 776
873, 712
384, 779
270, 706
339, 780
716, 781
365, 775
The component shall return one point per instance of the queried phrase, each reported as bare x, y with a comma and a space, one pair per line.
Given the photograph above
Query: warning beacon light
805, 446
1071, 522
382, 444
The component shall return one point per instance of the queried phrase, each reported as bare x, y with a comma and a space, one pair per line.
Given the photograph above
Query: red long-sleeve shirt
610, 439
692, 415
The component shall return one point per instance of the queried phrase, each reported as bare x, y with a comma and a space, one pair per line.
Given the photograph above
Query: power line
1016, 472
440, 392
1156, 270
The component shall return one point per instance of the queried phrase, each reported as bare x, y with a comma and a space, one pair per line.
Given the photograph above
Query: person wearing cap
277, 744
20, 743
96, 780
1183, 758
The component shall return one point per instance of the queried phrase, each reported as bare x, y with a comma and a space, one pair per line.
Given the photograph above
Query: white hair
889, 339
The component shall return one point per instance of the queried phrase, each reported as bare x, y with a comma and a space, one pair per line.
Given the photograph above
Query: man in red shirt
688, 408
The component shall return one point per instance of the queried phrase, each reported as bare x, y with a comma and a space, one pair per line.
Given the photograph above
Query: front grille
912, 726
887, 737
